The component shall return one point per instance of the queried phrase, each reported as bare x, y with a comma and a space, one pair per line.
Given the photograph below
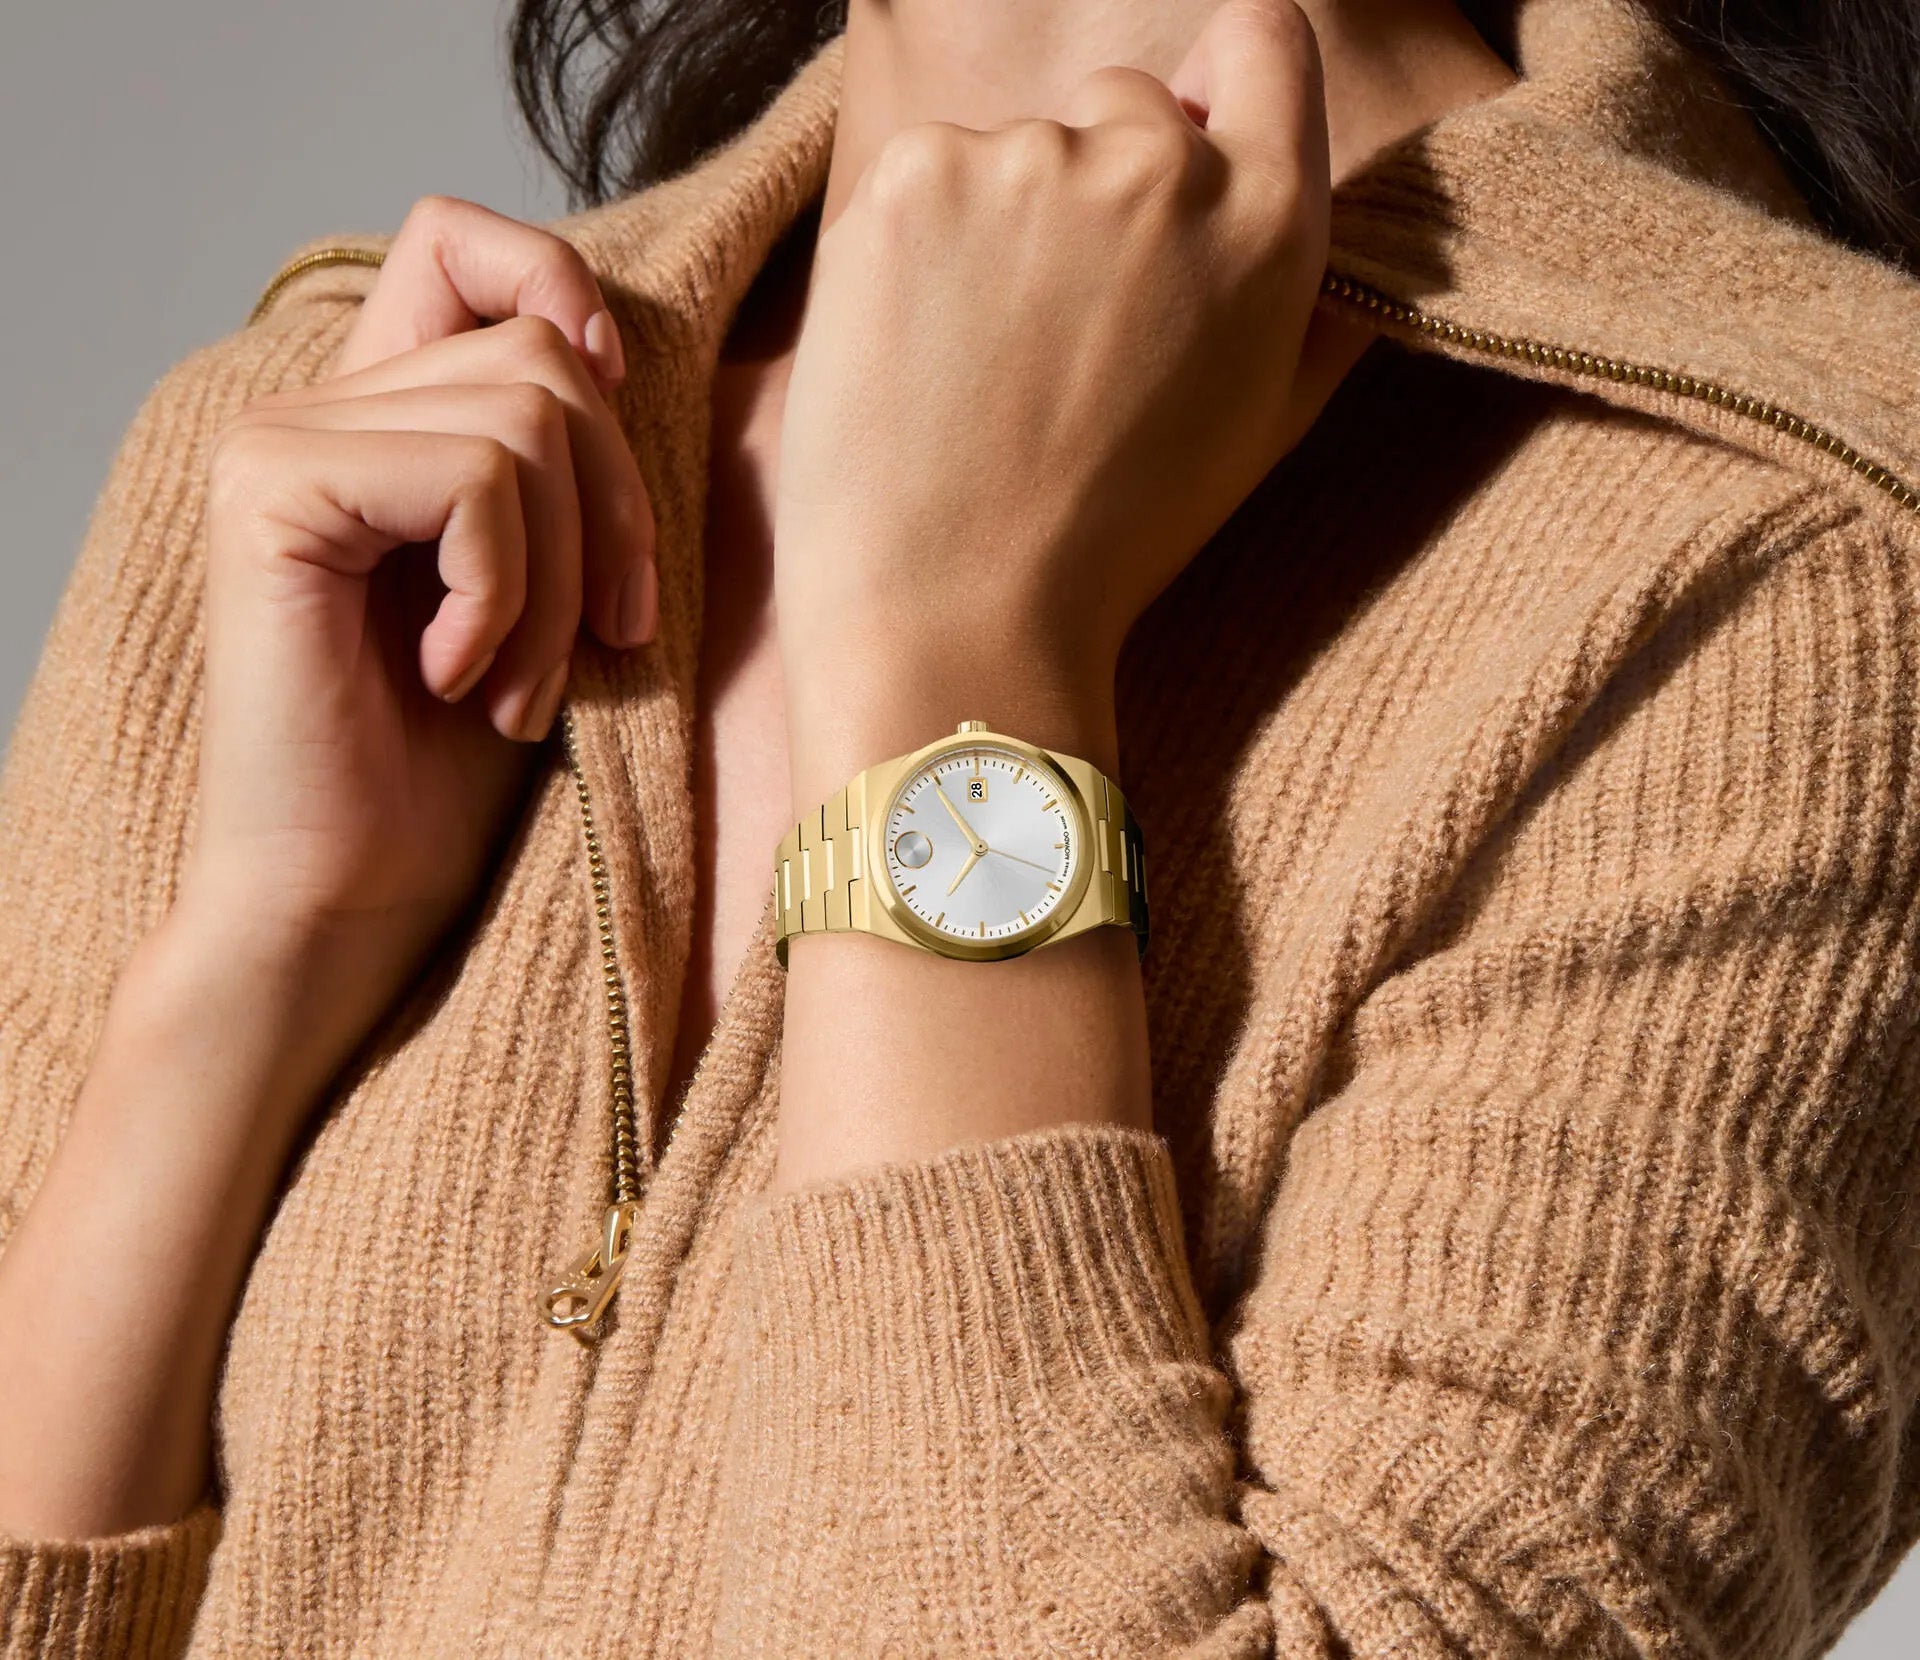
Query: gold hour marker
1053, 887
1022, 773
983, 930
1048, 805
942, 917
1059, 845
1023, 919
907, 889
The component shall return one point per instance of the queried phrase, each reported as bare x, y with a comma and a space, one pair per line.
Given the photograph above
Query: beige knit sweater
1526, 1260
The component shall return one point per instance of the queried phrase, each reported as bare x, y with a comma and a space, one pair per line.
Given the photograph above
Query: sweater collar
1612, 210
1615, 202
1617, 208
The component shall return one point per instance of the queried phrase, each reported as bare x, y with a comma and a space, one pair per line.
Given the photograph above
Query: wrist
272, 1003
854, 708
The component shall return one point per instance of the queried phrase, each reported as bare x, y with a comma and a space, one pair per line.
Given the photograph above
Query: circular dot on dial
912, 849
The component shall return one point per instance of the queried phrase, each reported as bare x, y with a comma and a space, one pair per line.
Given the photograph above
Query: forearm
118, 1284
891, 1054
966, 1319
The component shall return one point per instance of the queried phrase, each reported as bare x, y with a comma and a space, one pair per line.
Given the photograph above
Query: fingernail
639, 603
469, 680
604, 348
536, 720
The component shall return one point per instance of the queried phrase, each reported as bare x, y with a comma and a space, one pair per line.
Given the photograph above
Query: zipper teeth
1592, 366
626, 1163
295, 268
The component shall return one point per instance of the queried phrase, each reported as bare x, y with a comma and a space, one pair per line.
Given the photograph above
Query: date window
976, 789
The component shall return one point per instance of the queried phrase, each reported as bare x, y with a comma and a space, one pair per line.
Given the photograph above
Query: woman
1506, 1251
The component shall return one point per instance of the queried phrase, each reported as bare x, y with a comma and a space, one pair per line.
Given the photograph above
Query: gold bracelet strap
817, 873
1123, 861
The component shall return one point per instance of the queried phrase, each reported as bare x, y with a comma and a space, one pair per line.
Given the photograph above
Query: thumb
1252, 78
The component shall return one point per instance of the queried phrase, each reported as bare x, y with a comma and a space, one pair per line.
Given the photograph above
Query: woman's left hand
1041, 365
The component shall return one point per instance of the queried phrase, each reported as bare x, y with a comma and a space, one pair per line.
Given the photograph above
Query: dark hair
1835, 87
621, 93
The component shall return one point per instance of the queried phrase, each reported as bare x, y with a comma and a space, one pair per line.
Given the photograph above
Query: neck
1391, 65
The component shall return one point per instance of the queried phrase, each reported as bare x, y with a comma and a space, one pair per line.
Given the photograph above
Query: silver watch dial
981, 844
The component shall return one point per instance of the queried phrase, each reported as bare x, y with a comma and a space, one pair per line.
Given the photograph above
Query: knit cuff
1039, 1261
129, 1595
978, 1409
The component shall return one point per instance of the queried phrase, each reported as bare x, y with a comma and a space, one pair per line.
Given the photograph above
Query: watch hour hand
972, 860
966, 829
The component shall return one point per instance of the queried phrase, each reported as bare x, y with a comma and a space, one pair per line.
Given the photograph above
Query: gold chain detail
626, 1154
1570, 361
318, 259
580, 1297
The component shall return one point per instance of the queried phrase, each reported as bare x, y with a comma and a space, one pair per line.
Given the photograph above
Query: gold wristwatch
976, 846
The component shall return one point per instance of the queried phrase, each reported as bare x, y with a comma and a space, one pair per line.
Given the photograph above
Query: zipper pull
582, 1297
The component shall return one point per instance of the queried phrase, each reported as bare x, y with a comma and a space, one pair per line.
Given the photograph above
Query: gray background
159, 162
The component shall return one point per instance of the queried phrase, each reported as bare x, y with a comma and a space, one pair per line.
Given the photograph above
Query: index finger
454, 265
1253, 80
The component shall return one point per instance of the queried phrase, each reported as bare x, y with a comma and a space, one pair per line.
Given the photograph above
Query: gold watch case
882, 784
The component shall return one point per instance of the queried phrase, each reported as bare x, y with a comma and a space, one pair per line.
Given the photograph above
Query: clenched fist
399, 562
1040, 366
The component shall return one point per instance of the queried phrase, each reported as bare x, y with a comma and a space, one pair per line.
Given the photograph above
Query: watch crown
973, 726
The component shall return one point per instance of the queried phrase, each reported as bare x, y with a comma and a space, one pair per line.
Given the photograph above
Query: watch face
982, 845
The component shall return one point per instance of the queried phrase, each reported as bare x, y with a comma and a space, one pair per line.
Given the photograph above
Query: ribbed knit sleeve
1585, 1320
133, 1594
95, 802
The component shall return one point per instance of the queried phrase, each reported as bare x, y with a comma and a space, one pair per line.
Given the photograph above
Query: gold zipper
581, 1297
1593, 366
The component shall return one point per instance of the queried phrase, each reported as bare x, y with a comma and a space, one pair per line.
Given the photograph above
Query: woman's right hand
399, 558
